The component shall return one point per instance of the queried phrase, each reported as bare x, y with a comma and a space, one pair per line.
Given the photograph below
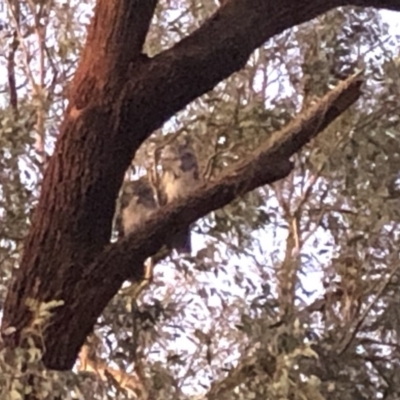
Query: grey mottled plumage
136, 205
180, 176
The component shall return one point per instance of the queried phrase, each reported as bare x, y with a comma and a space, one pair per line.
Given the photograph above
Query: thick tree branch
103, 278
393, 5
220, 47
115, 24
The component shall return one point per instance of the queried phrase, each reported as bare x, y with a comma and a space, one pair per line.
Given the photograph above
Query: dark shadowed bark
118, 98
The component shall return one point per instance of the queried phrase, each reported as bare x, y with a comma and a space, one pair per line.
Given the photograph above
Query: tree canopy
292, 290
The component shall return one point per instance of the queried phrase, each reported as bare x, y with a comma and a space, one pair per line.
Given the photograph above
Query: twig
349, 337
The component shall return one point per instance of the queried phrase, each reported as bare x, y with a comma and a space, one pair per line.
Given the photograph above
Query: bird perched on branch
180, 176
137, 203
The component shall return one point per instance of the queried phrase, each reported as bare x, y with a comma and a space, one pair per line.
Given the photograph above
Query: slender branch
11, 74
351, 334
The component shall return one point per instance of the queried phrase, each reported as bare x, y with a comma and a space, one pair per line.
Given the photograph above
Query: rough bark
118, 98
